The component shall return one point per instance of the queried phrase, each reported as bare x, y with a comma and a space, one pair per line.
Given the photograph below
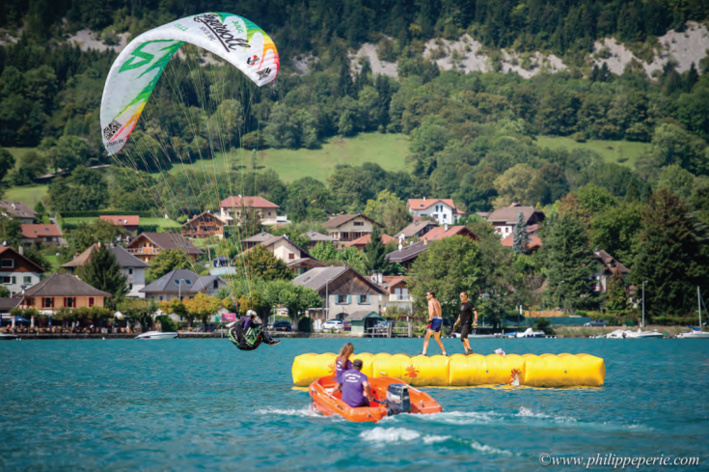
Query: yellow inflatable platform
458, 370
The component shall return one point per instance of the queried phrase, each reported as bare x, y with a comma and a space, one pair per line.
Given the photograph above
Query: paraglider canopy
138, 67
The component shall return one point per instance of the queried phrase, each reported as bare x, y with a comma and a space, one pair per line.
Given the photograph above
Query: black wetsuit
466, 319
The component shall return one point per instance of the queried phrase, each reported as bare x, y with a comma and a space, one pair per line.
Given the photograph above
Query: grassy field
621, 152
387, 150
161, 222
29, 195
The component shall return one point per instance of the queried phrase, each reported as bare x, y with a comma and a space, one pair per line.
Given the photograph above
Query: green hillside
29, 195
620, 152
387, 150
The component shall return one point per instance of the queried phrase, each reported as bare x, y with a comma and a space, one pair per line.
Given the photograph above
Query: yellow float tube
458, 370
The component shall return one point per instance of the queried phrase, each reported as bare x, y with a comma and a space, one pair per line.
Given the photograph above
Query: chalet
344, 228
17, 271
443, 210
505, 219
361, 242
314, 238
256, 239
18, 210
131, 267
343, 290
182, 283
416, 229
607, 266
232, 208
148, 245
533, 241
63, 291
204, 225
6, 306
397, 292
41, 234
130, 222
296, 258
408, 254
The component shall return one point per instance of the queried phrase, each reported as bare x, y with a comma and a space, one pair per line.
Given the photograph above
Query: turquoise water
203, 405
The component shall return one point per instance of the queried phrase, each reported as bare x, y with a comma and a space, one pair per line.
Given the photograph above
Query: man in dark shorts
355, 386
465, 319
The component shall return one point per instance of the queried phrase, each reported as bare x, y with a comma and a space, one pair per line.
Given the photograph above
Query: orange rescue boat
396, 396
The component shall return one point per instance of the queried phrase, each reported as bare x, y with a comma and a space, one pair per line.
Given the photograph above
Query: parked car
337, 325
596, 323
282, 326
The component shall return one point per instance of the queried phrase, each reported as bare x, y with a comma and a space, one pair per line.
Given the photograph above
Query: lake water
201, 404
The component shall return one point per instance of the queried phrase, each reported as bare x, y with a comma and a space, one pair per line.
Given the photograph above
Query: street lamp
643, 322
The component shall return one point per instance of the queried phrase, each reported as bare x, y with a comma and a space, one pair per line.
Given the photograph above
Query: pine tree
569, 264
617, 298
519, 235
103, 272
377, 263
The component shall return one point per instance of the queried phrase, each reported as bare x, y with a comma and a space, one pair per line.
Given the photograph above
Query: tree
85, 189
167, 261
7, 162
569, 264
296, 298
202, 306
617, 300
519, 235
522, 184
10, 231
376, 263
260, 262
138, 309
103, 272
448, 267
87, 234
324, 251
389, 210
673, 256
615, 230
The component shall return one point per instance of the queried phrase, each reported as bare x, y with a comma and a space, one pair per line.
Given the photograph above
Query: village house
131, 267
62, 291
532, 243
408, 254
343, 290
148, 245
361, 242
18, 210
17, 272
49, 235
296, 258
128, 222
182, 284
256, 239
204, 225
416, 229
314, 238
504, 219
607, 266
443, 210
345, 228
231, 210
398, 295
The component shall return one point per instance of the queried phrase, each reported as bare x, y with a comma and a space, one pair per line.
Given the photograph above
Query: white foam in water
526, 412
462, 417
432, 439
381, 435
307, 411
485, 449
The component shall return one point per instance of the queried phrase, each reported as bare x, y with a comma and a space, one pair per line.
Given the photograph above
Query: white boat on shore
527, 333
630, 334
157, 335
7, 337
696, 333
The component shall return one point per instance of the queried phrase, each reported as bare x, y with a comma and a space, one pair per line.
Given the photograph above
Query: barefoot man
467, 310
435, 321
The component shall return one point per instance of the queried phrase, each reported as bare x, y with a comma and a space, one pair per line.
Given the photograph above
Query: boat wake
305, 412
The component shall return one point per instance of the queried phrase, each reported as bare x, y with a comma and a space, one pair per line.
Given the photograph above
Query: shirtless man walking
435, 321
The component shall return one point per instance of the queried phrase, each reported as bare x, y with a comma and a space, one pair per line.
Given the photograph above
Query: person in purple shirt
355, 386
342, 362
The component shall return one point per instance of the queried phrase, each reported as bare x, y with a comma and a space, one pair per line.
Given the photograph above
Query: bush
167, 323
544, 324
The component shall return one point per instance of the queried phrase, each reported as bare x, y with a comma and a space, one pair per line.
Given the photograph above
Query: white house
16, 271
442, 210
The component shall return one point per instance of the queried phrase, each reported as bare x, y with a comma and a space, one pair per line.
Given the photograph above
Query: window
48, 302
130, 287
91, 301
7, 263
359, 223
291, 256
130, 271
364, 299
343, 299
27, 279
69, 302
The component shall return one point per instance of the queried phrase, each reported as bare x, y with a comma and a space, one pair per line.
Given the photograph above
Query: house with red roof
362, 241
504, 219
408, 254
233, 208
17, 271
128, 222
533, 241
41, 234
204, 225
442, 210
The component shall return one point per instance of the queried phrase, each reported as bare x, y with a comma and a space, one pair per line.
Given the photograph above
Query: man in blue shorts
435, 321
355, 386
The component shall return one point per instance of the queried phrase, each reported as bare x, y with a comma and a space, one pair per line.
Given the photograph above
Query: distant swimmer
465, 319
435, 321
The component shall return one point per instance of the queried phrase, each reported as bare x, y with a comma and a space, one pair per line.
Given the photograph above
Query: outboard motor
398, 399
